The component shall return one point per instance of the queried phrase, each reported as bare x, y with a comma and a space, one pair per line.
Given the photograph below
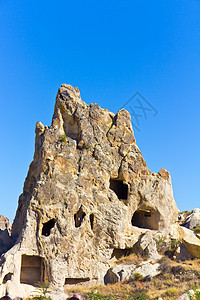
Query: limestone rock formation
126, 271
5, 234
193, 219
191, 242
4, 223
87, 198
146, 246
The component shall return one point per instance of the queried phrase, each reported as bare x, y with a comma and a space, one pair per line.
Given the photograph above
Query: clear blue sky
110, 50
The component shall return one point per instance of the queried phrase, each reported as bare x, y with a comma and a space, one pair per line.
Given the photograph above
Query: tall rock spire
88, 193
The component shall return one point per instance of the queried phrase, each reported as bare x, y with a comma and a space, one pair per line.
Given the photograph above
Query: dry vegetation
174, 280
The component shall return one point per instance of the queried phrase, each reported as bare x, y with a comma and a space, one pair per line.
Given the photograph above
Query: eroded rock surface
146, 247
127, 271
5, 234
191, 242
193, 219
87, 198
4, 223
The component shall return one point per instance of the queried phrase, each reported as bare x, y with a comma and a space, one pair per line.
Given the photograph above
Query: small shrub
174, 244
42, 293
165, 265
195, 296
171, 291
137, 276
161, 243
97, 296
169, 282
138, 295
197, 229
64, 138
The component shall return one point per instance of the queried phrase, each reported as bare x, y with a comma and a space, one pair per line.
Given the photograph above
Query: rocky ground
178, 277
175, 278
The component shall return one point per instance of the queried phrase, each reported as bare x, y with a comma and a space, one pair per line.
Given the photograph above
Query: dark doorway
146, 219
46, 229
32, 269
120, 189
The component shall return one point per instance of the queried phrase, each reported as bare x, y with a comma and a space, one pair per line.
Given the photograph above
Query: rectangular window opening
32, 269
72, 281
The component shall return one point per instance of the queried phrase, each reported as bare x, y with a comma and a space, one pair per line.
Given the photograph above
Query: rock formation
5, 232
87, 199
4, 223
193, 219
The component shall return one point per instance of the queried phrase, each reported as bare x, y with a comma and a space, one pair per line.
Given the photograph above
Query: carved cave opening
120, 189
79, 216
92, 221
148, 219
79, 281
7, 277
46, 229
119, 253
32, 269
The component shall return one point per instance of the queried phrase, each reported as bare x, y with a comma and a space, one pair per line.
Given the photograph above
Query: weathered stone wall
88, 194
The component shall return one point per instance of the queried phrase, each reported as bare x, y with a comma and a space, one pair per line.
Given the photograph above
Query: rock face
193, 220
126, 271
5, 232
4, 223
146, 246
87, 199
191, 242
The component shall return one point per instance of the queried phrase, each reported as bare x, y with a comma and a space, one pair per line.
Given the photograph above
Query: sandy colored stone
193, 220
5, 234
126, 271
146, 246
191, 242
88, 194
4, 223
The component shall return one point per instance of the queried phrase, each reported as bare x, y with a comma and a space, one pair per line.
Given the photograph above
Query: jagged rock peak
4, 223
5, 232
87, 199
89, 124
